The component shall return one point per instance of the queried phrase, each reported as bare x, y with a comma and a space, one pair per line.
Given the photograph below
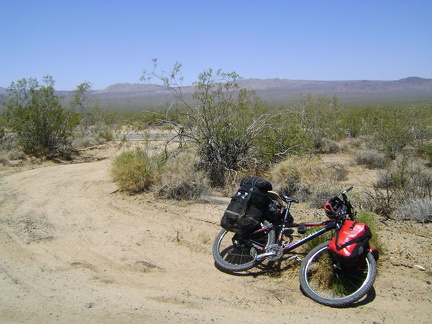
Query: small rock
419, 267
89, 305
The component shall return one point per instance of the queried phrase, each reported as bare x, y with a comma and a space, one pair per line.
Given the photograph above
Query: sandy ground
73, 249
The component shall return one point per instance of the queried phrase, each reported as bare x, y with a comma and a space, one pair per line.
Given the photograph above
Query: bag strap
246, 202
355, 240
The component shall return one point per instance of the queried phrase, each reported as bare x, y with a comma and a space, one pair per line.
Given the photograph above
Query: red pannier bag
351, 242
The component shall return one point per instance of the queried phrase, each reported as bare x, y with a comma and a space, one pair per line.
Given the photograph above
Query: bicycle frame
270, 251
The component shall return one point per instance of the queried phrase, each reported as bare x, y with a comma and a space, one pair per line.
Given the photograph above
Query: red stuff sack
351, 242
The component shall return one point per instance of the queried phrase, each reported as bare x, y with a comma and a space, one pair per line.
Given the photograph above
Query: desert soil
74, 249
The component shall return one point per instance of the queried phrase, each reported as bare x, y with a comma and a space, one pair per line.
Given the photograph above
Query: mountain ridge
412, 82
409, 90
264, 84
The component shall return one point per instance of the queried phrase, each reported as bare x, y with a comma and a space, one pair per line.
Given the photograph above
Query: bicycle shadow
268, 268
277, 268
368, 298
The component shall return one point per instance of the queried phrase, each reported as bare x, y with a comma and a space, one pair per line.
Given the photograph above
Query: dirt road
73, 249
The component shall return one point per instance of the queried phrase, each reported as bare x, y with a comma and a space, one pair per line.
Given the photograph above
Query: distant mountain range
407, 84
278, 91
411, 89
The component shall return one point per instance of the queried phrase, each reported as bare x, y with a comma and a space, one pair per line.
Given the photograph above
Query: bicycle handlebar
347, 203
346, 190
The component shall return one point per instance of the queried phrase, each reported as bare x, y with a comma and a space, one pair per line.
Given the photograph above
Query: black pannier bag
248, 206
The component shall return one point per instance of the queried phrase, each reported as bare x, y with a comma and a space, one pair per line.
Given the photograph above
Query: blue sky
107, 42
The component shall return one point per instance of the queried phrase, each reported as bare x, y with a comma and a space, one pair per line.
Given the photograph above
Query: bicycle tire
230, 255
332, 284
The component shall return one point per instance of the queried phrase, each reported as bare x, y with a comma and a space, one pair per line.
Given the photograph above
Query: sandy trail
74, 249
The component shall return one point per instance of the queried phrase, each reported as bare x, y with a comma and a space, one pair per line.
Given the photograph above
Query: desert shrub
328, 146
379, 201
294, 175
416, 209
136, 171
371, 158
405, 179
301, 177
363, 141
322, 191
316, 116
425, 151
87, 141
36, 116
284, 138
223, 120
181, 179
91, 119
10, 149
287, 180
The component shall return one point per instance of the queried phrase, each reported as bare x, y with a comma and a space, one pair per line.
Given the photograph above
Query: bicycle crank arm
273, 253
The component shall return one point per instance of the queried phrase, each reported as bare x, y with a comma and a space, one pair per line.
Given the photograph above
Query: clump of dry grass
10, 149
135, 171
181, 179
416, 209
305, 177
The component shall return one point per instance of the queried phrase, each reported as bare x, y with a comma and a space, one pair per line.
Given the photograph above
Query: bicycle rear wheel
232, 252
333, 284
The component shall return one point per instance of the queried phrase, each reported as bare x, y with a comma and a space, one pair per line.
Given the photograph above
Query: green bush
135, 171
36, 116
283, 138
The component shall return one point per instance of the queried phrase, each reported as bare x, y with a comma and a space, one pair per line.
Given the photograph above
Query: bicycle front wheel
332, 284
232, 252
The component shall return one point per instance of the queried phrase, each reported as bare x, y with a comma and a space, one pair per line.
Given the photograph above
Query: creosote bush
37, 117
136, 171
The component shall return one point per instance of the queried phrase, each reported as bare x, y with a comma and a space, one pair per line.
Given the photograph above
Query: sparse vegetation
235, 134
405, 180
